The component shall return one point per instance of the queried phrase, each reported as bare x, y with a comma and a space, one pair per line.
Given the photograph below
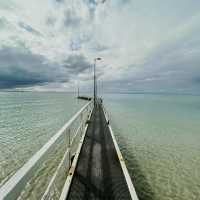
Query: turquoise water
159, 136
27, 121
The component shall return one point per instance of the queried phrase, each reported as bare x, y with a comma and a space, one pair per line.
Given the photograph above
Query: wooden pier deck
98, 174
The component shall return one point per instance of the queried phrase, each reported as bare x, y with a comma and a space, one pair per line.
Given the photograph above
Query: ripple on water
27, 121
159, 139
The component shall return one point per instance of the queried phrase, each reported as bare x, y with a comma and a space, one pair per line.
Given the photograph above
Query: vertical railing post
69, 145
82, 124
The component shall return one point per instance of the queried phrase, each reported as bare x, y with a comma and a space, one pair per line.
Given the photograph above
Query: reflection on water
159, 138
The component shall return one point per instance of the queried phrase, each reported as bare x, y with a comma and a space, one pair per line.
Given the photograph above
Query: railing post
69, 145
82, 124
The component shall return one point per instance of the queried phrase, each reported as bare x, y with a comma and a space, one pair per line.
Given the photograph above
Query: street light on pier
95, 85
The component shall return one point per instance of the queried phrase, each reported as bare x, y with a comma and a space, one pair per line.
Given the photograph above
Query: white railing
64, 144
121, 160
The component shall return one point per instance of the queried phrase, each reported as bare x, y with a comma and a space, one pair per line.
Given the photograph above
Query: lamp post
95, 86
78, 89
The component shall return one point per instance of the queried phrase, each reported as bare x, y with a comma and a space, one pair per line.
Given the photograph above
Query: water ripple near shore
160, 141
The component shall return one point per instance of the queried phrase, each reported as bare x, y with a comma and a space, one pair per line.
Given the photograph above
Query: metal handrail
121, 159
51, 189
15, 185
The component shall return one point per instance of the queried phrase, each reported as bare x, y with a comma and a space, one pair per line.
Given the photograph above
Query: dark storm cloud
21, 68
29, 29
77, 64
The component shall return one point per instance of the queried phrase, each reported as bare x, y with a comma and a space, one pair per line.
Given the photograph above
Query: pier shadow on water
140, 182
142, 187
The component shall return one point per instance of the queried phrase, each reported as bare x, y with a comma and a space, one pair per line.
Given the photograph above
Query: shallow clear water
27, 121
159, 136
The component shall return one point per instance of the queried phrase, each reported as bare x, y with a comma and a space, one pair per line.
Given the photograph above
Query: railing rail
121, 160
16, 184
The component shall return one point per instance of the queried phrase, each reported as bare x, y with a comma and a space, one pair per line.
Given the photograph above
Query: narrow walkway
98, 175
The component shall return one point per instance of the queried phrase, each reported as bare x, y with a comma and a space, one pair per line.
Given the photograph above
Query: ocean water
159, 136
27, 121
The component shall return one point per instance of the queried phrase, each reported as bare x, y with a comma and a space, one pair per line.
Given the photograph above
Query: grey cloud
8, 5
77, 64
92, 6
21, 68
122, 2
51, 21
171, 61
71, 18
172, 67
28, 28
2, 23
196, 80
96, 2
100, 47
60, 1
80, 39
75, 46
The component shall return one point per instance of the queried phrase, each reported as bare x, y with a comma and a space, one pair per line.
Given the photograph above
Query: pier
92, 166
84, 98
98, 174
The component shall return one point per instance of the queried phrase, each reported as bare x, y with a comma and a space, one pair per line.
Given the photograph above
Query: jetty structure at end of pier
84, 98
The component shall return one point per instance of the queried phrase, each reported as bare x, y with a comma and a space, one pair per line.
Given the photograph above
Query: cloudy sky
146, 46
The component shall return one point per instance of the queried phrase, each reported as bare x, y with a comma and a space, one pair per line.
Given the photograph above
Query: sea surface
27, 121
159, 136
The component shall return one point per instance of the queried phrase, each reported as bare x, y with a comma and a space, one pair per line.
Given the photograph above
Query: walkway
98, 174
